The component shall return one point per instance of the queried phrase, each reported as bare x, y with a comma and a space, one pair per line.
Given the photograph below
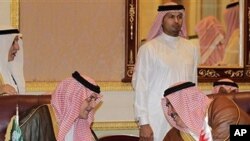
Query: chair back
119, 138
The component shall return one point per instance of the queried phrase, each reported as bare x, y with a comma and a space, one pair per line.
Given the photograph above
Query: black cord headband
178, 87
232, 5
170, 7
84, 82
225, 83
9, 31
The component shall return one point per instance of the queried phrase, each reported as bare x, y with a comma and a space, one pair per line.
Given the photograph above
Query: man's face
13, 49
172, 23
174, 115
88, 105
226, 91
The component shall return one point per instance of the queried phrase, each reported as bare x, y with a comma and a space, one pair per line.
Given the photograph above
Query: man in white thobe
164, 59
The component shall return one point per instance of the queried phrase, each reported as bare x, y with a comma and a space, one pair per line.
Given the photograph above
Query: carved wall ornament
248, 23
208, 73
131, 18
233, 74
131, 57
247, 73
130, 71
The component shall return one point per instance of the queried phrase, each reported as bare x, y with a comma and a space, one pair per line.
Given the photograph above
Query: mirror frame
205, 74
14, 14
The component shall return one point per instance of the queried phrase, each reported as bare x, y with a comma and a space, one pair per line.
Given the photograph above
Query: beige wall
61, 36
5, 12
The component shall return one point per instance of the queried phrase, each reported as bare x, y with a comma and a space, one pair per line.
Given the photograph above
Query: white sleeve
140, 85
196, 63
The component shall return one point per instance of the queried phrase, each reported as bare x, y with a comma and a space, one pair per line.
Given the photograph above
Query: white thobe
161, 62
70, 135
12, 72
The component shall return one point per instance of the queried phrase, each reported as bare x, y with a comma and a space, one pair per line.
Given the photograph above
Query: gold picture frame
14, 13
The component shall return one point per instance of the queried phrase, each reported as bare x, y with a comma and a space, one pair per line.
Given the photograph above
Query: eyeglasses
168, 104
91, 98
173, 115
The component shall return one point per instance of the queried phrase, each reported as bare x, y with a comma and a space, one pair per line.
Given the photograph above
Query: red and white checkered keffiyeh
67, 100
191, 106
156, 28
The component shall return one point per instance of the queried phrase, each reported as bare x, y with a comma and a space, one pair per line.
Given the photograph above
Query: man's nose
169, 111
176, 19
17, 46
92, 104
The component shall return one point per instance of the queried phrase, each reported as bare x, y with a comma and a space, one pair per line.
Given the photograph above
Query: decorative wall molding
131, 37
115, 125
112, 86
49, 86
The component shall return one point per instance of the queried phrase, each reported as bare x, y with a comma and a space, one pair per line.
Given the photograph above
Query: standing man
164, 59
11, 61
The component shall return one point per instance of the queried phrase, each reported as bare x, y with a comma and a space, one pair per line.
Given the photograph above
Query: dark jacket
37, 125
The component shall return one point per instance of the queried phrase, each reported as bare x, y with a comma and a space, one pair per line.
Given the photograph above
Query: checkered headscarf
67, 100
189, 103
156, 28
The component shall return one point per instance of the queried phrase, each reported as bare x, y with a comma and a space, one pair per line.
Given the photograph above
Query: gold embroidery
186, 136
53, 119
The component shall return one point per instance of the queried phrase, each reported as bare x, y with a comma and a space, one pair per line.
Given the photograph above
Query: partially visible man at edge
195, 117
225, 86
11, 61
164, 59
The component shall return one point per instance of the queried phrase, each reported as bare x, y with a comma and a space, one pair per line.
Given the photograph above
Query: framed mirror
206, 73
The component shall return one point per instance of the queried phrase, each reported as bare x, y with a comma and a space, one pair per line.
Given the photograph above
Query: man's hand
146, 133
7, 89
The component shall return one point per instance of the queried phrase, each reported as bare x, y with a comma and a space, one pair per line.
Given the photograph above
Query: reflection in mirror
211, 25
